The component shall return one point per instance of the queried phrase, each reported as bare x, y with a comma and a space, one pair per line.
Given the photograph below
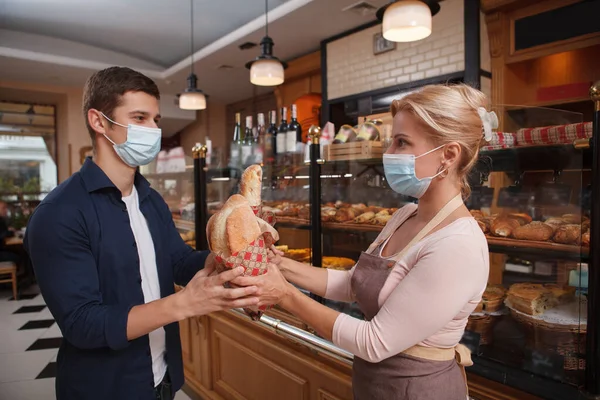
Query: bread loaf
504, 227
521, 217
535, 298
568, 234
235, 227
535, 230
250, 185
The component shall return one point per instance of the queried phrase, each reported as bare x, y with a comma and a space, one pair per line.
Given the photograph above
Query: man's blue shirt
86, 263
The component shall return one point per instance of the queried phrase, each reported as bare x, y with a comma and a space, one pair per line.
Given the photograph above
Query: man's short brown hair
104, 89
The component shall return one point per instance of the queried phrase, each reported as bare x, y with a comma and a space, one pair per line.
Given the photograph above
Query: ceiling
62, 42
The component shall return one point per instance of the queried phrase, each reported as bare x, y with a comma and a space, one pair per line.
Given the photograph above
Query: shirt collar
95, 179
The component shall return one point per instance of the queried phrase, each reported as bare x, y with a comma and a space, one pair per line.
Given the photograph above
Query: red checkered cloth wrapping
559, 134
253, 258
500, 140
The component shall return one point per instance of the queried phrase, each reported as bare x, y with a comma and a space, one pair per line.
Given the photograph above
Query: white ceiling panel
156, 31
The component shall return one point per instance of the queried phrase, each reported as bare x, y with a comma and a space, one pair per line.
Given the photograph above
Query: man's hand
272, 286
205, 293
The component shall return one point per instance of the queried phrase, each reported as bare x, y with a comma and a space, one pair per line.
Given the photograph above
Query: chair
9, 268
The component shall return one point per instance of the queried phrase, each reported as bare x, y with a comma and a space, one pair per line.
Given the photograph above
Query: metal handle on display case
592, 382
302, 337
200, 198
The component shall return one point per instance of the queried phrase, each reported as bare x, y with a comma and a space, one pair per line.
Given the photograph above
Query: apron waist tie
460, 353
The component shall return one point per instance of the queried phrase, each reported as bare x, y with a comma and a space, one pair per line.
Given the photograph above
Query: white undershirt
149, 274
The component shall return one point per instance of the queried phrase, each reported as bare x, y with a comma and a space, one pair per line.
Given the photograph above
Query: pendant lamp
192, 98
407, 20
266, 69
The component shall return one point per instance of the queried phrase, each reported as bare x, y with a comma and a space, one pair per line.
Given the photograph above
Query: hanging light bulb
407, 20
192, 98
266, 69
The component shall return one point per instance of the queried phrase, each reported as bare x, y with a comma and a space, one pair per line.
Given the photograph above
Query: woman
420, 280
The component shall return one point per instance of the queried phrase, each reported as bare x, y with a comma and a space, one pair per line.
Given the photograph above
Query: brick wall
353, 68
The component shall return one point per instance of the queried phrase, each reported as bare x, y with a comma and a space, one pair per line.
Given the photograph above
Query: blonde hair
449, 114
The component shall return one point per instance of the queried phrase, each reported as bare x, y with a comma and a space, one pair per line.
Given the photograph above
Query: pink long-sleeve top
427, 297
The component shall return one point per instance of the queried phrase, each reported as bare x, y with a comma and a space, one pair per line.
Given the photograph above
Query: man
106, 253
5, 233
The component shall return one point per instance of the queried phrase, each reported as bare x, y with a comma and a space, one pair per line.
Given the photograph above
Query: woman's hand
272, 286
275, 256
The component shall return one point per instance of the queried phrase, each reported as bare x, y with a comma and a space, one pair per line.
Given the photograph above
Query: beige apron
418, 373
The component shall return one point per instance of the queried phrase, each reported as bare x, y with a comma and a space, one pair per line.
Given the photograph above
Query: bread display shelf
292, 221
549, 248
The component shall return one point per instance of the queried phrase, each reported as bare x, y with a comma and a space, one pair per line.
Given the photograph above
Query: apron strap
448, 209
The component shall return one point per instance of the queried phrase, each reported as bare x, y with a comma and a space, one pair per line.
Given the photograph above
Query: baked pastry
283, 247
364, 218
585, 225
338, 263
521, 217
477, 214
585, 238
568, 234
328, 214
382, 213
362, 207
290, 211
483, 226
381, 219
304, 212
572, 218
298, 254
555, 222
504, 227
492, 299
535, 298
535, 230
373, 209
250, 185
346, 214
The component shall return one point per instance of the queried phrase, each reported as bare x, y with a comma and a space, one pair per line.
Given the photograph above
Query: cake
535, 298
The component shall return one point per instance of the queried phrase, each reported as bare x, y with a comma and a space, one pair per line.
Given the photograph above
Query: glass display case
531, 196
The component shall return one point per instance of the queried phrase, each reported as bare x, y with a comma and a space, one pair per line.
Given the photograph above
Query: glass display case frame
582, 154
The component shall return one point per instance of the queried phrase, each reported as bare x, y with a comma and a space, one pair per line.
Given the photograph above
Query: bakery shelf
535, 248
538, 158
349, 226
293, 222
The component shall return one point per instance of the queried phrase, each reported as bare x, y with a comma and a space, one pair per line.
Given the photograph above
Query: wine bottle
294, 129
259, 140
247, 145
282, 133
271, 138
236, 145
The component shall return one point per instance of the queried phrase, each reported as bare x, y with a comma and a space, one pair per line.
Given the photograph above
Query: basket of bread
241, 234
554, 317
487, 313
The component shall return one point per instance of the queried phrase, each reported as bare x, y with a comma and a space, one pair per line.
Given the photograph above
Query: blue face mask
400, 174
142, 144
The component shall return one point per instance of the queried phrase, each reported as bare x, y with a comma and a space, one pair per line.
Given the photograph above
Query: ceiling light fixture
192, 98
266, 69
407, 20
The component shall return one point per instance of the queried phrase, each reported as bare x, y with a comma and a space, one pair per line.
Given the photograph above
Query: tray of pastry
303, 255
568, 233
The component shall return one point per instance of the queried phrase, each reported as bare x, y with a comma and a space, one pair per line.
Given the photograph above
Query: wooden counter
227, 356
